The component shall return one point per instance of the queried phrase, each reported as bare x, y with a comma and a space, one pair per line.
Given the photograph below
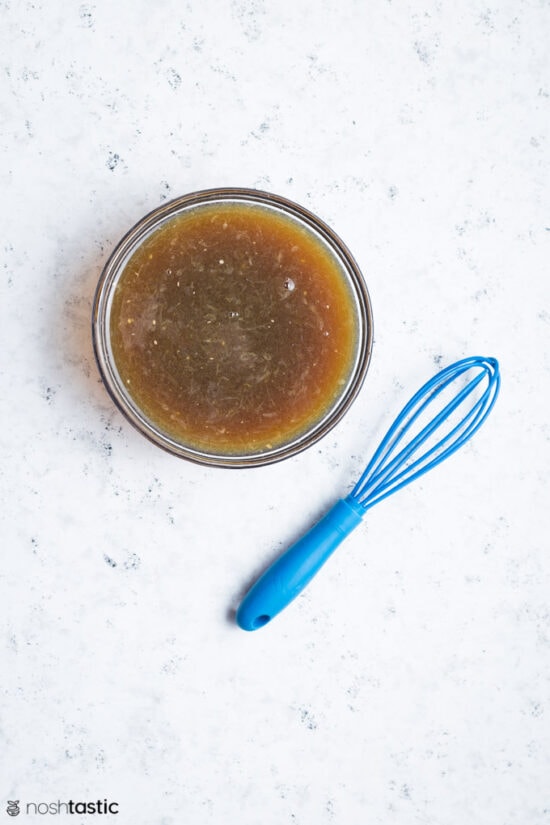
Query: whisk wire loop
406, 452
388, 471
377, 479
400, 425
371, 495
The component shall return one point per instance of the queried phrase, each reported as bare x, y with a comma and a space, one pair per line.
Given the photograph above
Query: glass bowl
232, 327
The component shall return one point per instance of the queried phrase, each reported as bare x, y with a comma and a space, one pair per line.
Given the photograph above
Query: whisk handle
291, 572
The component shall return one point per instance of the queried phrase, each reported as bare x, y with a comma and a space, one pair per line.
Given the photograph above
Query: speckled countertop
411, 682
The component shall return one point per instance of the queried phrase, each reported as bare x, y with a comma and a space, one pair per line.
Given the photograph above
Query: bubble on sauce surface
287, 287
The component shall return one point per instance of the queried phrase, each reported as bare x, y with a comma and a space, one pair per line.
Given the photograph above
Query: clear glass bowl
317, 427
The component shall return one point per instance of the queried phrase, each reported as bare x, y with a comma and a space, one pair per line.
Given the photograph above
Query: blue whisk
393, 465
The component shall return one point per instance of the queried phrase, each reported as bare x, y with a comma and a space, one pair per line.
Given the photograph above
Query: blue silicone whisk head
444, 414
397, 462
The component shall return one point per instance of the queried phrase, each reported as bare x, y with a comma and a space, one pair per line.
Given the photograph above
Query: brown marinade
233, 328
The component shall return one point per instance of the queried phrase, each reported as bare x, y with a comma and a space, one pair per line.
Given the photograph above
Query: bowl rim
113, 268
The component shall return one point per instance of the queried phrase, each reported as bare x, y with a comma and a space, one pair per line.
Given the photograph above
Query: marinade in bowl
232, 327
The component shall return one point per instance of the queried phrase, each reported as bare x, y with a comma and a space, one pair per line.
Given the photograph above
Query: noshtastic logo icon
13, 807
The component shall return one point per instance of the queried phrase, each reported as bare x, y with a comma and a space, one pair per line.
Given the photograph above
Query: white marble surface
411, 682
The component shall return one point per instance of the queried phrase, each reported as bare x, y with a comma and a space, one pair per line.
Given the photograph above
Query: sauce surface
233, 328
